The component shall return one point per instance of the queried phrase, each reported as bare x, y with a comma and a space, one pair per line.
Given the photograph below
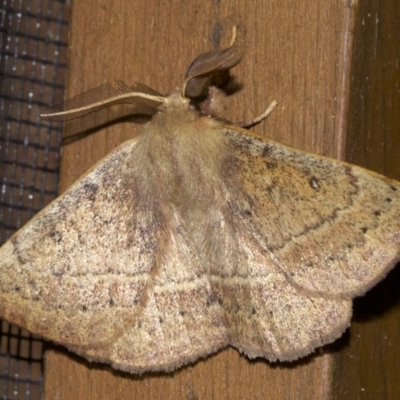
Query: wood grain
303, 54
367, 367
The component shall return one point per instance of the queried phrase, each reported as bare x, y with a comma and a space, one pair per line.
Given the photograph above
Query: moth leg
215, 106
257, 120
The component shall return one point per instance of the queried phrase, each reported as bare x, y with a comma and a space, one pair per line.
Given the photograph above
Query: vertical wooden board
368, 367
298, 53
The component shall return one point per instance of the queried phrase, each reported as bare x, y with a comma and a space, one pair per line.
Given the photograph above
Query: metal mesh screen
33, 39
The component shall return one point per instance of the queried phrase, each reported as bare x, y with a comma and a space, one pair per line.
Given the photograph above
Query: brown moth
197, 235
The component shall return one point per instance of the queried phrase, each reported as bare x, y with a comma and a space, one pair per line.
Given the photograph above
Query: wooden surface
315, 58
368, 366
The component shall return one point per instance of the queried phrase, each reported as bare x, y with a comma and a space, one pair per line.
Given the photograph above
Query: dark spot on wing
266, 151
56, 236
91, 190
211, 299
314, 183
271, 165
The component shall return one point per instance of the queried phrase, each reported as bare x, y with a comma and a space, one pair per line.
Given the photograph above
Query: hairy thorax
185, 167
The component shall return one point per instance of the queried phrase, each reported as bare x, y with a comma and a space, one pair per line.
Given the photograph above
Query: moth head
208, 70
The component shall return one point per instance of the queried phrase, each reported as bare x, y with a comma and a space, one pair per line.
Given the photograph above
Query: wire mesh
33, 38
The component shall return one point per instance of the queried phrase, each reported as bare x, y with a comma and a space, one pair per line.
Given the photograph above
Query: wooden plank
298, 53
367, 367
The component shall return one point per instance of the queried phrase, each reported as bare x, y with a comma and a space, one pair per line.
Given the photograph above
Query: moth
196, 235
